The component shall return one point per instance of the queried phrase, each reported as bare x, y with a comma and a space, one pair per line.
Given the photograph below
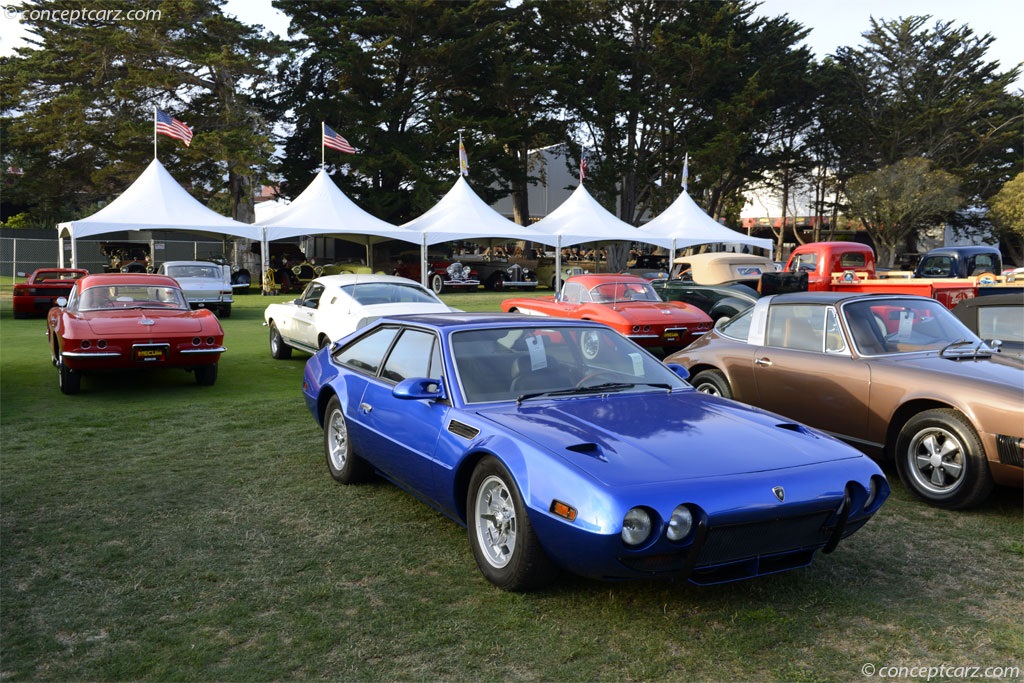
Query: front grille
1010, 450
741, 541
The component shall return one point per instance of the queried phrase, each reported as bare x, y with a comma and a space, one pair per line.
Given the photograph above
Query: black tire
508, 554
69, 380
712, 382
342, 462
437, 284
278, 349
323, 341
206, 375
940, 459
497, 282
225, 311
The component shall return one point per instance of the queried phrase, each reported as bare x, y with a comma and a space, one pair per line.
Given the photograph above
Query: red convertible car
121, 321
39, 293
626, 303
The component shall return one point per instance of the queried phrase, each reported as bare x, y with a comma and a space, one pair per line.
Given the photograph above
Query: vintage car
996, 318
894, 374
334, 306
562, 444
546, 271
649, 267
127, 321
442, 276
206, 284
626, 303
497, 274
718, 301
722, 267
40, 291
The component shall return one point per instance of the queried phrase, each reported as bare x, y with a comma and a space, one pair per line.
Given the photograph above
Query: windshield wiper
594, 389
976, 351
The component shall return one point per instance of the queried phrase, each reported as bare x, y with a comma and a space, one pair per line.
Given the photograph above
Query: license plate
150, 355
671, 336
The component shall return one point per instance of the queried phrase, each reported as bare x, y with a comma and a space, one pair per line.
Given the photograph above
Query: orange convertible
625, 303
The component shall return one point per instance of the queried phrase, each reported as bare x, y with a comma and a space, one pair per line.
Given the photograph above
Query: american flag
172, 127
335, 141
583, 168
463, 158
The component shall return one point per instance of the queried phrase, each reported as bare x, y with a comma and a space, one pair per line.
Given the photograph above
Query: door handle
365, 408
763, 361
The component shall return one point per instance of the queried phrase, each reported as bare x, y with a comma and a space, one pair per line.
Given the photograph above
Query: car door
402, 433
304, 328
805, 370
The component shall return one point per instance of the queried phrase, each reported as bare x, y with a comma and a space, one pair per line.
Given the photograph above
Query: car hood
132, 322
381, 310
654, 311
628, 439
997, 368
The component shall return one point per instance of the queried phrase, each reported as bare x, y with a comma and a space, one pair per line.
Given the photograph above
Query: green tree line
636, 85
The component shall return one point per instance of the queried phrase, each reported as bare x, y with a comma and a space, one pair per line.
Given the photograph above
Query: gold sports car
896, 374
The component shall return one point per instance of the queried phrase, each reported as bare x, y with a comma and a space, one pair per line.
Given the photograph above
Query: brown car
897, 374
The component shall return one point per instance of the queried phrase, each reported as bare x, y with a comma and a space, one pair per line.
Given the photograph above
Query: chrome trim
192, 352
88, 354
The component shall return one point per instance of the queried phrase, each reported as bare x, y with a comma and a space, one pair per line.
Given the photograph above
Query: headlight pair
638, 525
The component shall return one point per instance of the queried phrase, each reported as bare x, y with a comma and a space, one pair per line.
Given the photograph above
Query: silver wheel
336, 439
496, 527
590, 344
713, 383
940, 459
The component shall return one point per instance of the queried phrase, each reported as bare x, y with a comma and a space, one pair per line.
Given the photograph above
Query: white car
206, 284
333, 306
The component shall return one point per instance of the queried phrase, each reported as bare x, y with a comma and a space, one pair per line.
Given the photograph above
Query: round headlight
636, 526
680, 524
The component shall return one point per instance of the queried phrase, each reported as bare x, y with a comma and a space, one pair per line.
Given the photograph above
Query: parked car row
561, 443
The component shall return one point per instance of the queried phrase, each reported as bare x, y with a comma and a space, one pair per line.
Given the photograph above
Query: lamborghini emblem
780, 493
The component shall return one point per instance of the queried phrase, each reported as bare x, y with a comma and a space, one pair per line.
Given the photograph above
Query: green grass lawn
152, 529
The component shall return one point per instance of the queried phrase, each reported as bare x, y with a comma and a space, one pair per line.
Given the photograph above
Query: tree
78, 105
1007, 214
895, 201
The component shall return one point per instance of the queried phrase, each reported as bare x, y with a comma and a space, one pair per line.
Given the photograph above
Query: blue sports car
560, 444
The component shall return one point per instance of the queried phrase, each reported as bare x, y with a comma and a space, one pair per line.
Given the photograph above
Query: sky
833, 23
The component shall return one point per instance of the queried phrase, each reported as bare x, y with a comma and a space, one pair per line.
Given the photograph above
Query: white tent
462, 215
323, 209
684, 224
580, 218
155, 201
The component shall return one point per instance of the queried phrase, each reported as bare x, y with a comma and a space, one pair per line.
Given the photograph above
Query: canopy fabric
684, 224
581, 219
462, 215
155, 201
323, 209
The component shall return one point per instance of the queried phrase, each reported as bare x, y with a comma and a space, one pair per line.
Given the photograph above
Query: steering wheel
593, 374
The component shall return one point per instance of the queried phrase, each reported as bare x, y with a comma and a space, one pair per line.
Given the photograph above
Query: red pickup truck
850, 267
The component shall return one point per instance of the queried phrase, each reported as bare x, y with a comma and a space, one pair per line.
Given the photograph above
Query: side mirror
61, 301
419, 388
721, 321
683, 373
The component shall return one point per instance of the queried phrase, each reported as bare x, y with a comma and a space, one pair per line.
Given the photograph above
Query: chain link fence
19, 256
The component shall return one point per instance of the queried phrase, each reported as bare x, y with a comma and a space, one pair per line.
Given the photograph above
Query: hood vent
462, 429
591, 449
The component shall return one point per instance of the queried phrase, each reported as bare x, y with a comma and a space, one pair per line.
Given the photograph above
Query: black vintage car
499, 273
996, 316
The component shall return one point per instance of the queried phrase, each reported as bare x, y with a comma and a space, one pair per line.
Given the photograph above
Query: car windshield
520, 363
887, 326
211, 271
108, 297
609, 292
370, 293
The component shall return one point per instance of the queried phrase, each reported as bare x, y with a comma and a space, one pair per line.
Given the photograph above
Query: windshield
371, 293
108, 297
888, 326
608, 292
510, 364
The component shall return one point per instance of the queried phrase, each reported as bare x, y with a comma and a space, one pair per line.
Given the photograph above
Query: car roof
1009, 298
834, 297
454, 320
356, 278
963, 250
108, 279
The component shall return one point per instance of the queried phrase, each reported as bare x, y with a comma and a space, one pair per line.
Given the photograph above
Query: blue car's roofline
451, 321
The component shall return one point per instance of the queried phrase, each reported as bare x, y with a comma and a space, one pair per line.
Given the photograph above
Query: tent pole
558, 264
423, 261
74, 250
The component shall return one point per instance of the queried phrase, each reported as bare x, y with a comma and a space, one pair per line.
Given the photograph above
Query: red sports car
626, 303
131, 320
39, 293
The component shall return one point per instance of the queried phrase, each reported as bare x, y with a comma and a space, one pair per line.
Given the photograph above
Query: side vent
462, 429
1010, 449
591, 449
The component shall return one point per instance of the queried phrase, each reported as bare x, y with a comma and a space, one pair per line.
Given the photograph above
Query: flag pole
323, 132
154, 132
